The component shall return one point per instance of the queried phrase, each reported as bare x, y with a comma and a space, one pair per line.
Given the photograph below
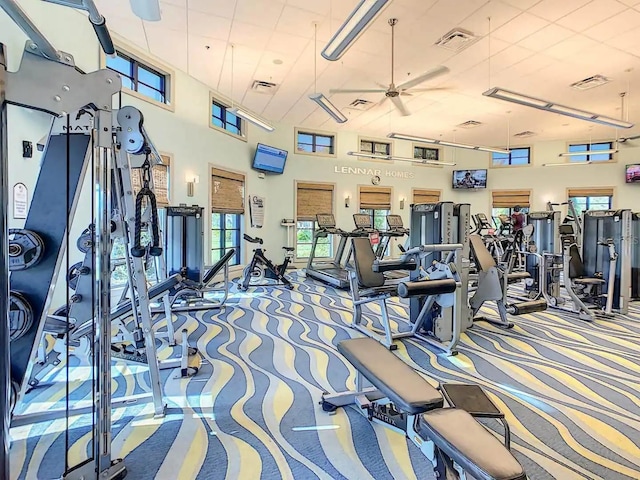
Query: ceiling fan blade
441, 70
357, 90
428, 89
626, 139
400, 106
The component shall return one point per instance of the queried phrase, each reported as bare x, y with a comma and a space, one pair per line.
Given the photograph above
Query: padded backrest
576, 267
213, 271
484, 259
364, 257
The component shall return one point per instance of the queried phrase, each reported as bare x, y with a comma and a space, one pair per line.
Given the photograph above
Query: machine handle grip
104, 37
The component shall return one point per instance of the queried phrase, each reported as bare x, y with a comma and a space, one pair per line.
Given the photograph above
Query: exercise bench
492, 281
399, 398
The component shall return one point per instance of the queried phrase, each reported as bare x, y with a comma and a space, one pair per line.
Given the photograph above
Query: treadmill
331, 271
395, 229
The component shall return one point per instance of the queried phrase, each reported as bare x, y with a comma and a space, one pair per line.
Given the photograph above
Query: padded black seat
364, 257
383, 290
154, 292
252, 239
473, 447
408, 391
484, 259
288, 249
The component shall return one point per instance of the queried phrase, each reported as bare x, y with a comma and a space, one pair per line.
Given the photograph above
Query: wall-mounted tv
633, 173
470, 179
269, 159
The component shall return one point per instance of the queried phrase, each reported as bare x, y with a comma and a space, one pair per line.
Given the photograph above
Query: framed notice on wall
256, 211
20, 200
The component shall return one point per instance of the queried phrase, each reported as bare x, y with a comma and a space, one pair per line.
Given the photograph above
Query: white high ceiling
537, 47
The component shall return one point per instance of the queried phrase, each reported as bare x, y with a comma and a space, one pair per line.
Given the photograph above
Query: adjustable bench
400, 399
491, 287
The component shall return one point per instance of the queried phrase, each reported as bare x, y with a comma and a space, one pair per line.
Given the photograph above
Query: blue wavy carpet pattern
570, 391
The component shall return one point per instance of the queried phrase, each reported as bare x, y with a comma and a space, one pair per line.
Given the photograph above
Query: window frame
373, 216
330, 241
612, 156
587, 202
224, 103
314, 133
149, 63
415, 145
223, 230
374, 141
510, 165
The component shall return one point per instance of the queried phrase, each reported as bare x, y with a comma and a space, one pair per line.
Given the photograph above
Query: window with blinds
227, 191
160, 176
312, 199
591, 198
511, 198
375, 198
425, 196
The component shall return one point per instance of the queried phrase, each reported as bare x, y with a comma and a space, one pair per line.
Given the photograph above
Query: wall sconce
347, 201
191, 181
401, 203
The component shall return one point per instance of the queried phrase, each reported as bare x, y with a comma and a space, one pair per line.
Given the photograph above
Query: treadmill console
326, 220
394, 221
363, 220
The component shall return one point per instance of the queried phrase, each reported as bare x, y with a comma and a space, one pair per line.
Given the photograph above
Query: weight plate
73, 275
63, 311
20, 316
26, 249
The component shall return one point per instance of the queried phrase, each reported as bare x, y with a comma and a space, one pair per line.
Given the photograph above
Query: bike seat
252, 239
288, 249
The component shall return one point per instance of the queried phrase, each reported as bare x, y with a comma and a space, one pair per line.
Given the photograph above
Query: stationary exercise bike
261, 268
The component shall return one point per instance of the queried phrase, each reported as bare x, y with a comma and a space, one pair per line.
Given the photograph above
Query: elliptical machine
261, 268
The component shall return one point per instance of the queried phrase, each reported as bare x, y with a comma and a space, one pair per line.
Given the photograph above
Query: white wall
185, 133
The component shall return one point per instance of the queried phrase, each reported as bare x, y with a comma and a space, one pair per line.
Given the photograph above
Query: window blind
511, 198
425, 196
312, 199
227, 192
590, 192
375, 198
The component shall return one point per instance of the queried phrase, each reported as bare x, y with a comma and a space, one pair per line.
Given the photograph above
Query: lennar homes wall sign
372, 172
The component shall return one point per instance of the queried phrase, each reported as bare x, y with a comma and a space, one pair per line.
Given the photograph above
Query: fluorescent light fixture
589, 152
328, 107
567, 164
361, 17
527, 101
148, 10
250, 117
413, 138
400, 159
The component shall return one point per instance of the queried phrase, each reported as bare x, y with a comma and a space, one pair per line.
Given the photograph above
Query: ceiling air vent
469, 124
456, 40
360, 105
262, 86
525, 134
590, 82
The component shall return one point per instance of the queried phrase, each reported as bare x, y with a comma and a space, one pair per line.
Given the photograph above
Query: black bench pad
408, 391
469, 444
589, 281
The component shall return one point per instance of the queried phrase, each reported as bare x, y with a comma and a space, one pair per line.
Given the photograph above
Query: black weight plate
73, 275
20, 316
26, 249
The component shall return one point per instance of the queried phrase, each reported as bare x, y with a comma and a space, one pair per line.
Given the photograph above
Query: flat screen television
269, 159
633, 173
469, 179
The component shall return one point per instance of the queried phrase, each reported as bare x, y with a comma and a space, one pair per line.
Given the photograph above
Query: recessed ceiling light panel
591, 82
457, 40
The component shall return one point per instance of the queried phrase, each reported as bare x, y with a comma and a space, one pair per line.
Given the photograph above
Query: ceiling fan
626, 139
394, 91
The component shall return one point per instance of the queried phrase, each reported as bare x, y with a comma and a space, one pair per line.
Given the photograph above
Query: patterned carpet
570, 391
